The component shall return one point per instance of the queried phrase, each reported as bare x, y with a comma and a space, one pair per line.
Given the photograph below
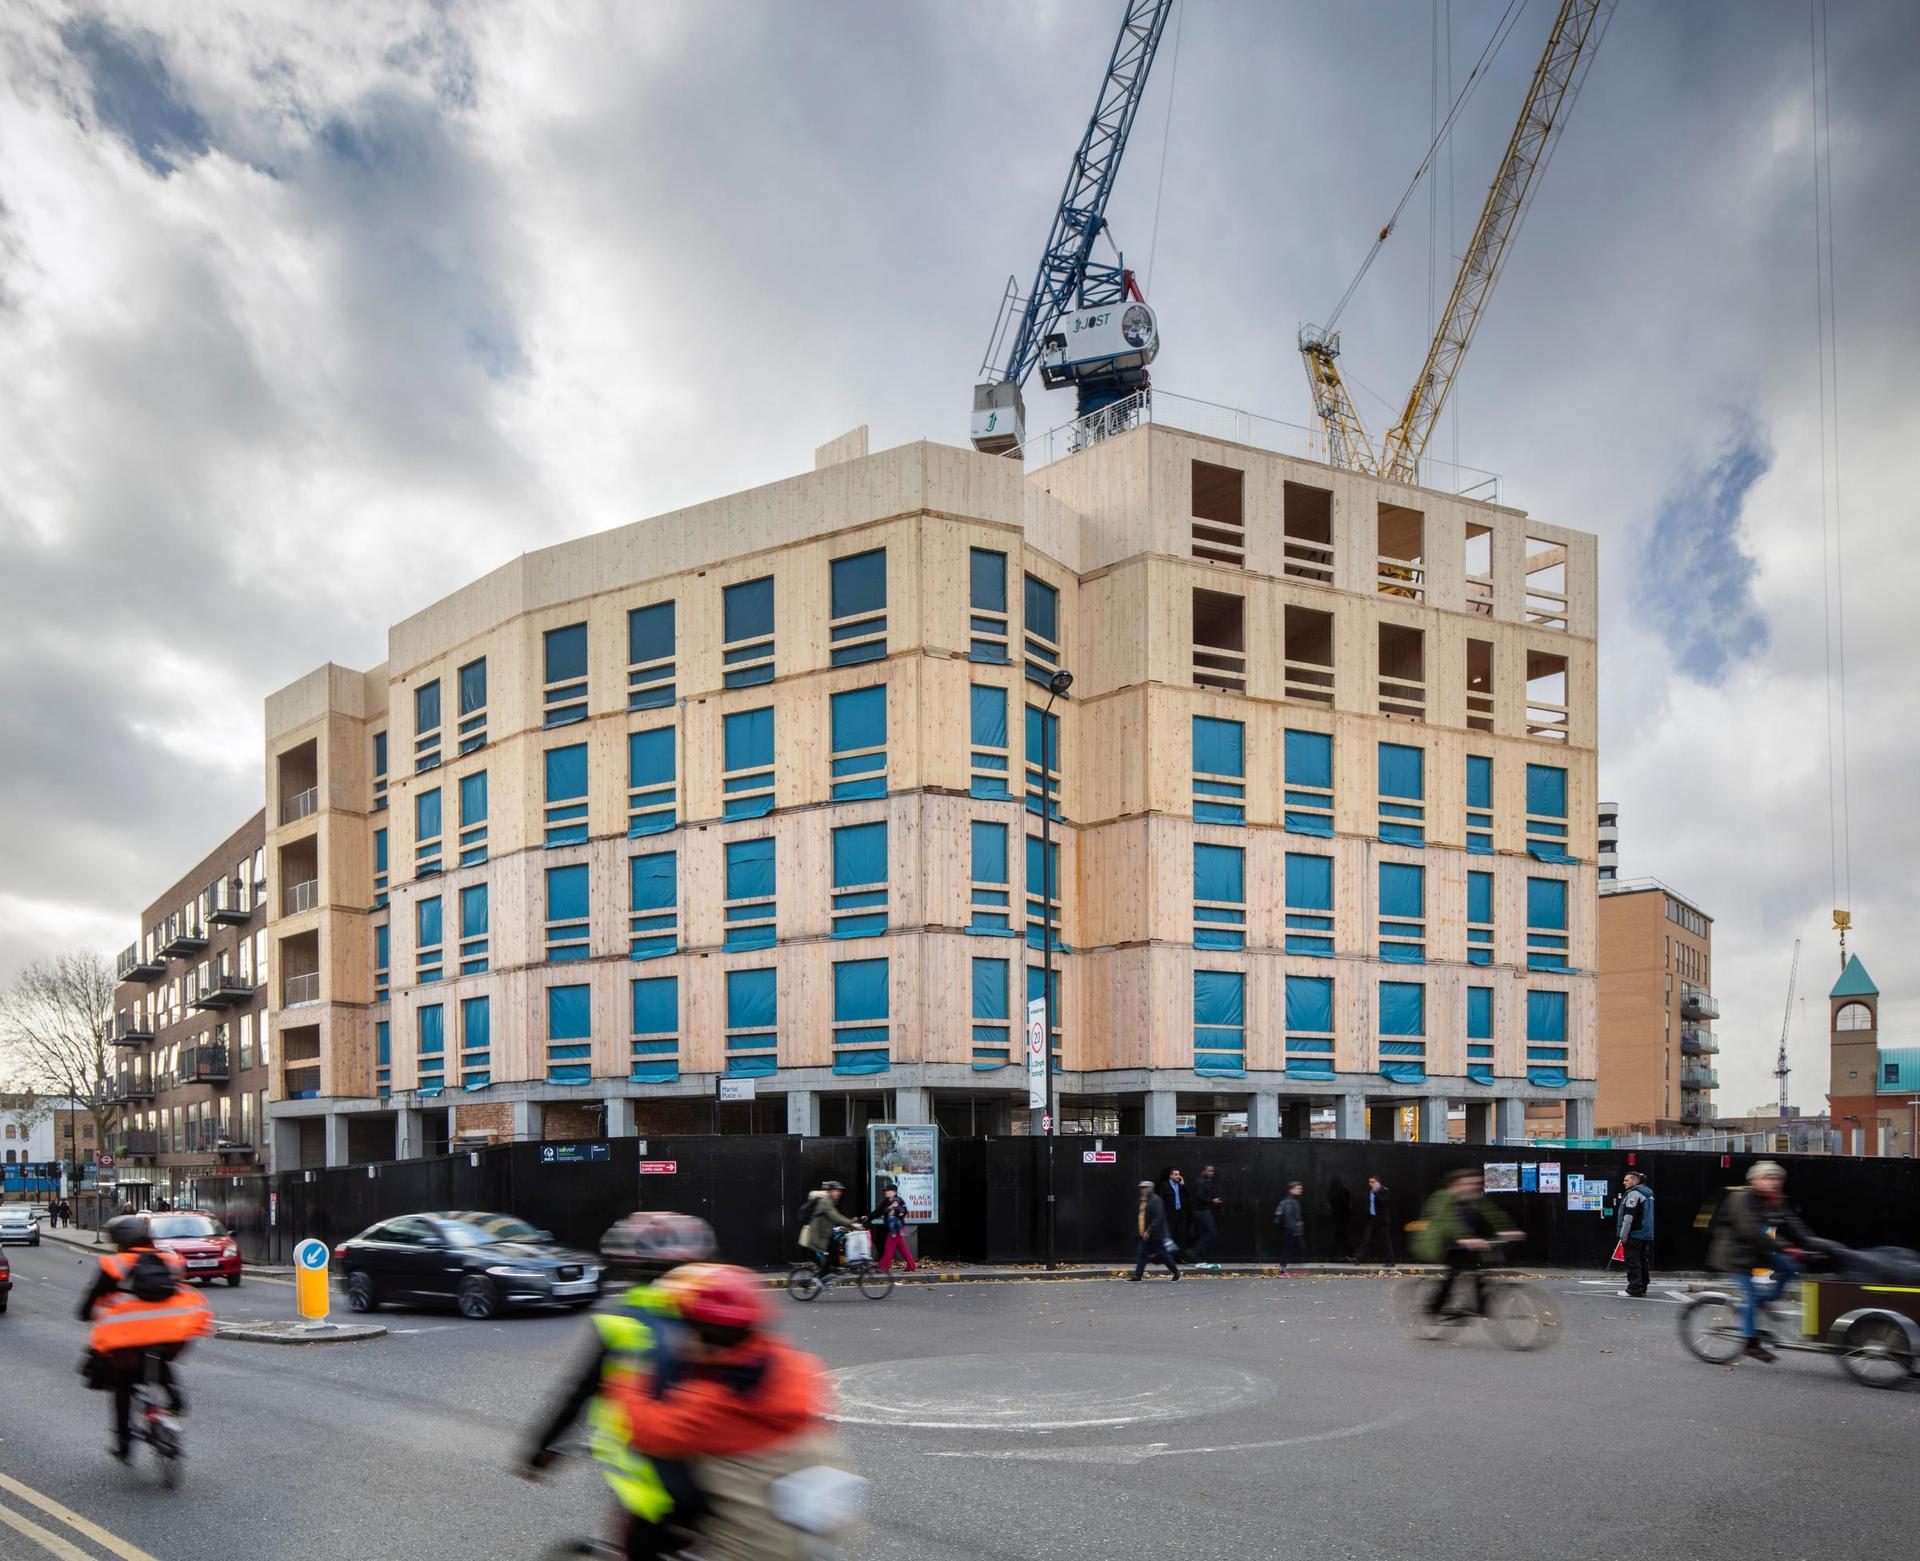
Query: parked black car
481, 1262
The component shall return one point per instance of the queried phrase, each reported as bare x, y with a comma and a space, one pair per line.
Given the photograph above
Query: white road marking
1131, 1455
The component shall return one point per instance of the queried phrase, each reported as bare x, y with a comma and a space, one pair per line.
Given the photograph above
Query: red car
6, 1281
201, 1242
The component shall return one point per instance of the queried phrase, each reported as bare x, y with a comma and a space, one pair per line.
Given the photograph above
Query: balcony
229, 902
204, 1065
132, 965
1698, 1043
136, 1144
1698, 1003
234, 1148
184, 935
1692, 1111
299, 897
224, 989
302, 804
126, 1088
132, 1029
1699, 1078
301, 990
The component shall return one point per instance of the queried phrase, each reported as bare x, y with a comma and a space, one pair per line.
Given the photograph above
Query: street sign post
311, 1294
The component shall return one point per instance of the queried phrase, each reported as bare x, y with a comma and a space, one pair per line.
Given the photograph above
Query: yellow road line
46, 1539
73, 1520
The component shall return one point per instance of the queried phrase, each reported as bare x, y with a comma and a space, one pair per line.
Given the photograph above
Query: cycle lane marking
84, 1526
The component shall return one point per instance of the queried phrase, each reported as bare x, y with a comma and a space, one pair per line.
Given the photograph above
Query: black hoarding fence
993, 1194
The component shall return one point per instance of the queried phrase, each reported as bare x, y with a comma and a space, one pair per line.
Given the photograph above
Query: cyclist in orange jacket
139, 1309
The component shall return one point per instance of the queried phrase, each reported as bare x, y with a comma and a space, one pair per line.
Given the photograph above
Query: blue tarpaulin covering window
1403, 928
650, 633
859, 726
476, 1040
653, 896
991, 894
1402, 781
650, 782
1037, 984
473, 911
860, 858
566, 812
860, 1012
1547, 903
753, 1008
1547, 1077
566, 653
656, 1024
1403, 1008
1310, 1005
992, 1019
381, 943
426, 707
989, 852
859, 583
1043, 610
1043, 893
1219, 767
473, 686
746, 610
1547, 1017
567, 893
1308, 758
1043, 759
747, 744
1546, 790
1479, 1013
987, 732
426, 922
433, 1030
1480, 898
986, 580
379, 850
989, 716
1219, 1022
426, 815
750, 894
569, 1034
1220, 893
1479, 805
1309, 892
473, 798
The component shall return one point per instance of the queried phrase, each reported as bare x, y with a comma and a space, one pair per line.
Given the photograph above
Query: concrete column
1479, 1121
803, 1113
286, 1142
619, 1116
1510, 1121
913, 1104
1349, 1116
1161, 1106
409, 1135
336, 1138
1433, 1119
1579, 1118
526, 1122
1296, 1119
1263, 1116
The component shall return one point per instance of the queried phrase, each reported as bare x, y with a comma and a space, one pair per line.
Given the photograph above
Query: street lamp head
1060, 682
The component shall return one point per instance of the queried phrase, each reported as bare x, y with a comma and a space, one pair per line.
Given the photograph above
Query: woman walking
1150, 1222
891, 1216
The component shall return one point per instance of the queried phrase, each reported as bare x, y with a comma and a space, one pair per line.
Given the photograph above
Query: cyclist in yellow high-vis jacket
639, 1340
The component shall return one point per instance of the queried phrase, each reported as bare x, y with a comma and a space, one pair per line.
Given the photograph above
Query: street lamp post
1057, 685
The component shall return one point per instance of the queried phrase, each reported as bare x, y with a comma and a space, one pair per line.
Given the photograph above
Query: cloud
313, 314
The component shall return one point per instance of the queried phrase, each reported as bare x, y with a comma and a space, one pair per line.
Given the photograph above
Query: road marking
46, 1539
1161, 1450
73, 1520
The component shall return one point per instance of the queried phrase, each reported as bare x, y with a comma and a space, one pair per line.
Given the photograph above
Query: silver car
19, 1223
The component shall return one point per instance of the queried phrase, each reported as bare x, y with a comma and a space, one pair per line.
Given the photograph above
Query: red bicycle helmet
717, 1295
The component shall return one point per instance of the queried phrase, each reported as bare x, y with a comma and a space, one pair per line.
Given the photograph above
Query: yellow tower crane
1571, 45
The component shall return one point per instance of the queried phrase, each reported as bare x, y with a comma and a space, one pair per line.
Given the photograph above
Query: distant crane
1786, 1024
1083, 322
1571, 45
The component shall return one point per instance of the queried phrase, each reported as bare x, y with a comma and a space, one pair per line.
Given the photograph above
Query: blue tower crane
1083, 322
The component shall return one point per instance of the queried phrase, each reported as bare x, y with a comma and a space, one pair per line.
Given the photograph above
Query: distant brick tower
1853, 1059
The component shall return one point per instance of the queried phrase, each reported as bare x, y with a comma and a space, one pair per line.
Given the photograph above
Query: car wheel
477, 1297
3, 1303
232, 1280
360, 1297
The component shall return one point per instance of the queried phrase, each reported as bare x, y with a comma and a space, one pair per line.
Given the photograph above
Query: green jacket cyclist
1458, 1225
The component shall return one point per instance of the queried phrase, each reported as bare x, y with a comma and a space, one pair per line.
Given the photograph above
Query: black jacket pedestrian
1156, 1218
1290, 1217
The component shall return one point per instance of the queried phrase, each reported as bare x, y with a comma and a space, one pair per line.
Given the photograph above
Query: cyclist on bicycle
1458, 1225
638, 1347
139, 1309
820, 1234
1756, 1228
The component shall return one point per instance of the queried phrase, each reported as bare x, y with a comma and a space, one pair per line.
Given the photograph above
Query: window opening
1480, 685
746, 612
1309, 655
1219, 514
1403, 672
1220, 641
1307, 521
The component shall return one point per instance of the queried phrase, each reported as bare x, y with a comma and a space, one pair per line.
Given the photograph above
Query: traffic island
290, 1332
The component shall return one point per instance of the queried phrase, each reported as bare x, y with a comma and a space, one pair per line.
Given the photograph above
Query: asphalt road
1218, 1418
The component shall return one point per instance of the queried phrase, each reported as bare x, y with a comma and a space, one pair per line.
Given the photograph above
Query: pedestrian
891, 1217
1290, 1215
1339, 1221
1150, 1225
821, 1224
1379, 1207
1206, 1201
1636, 1233
1173, 1193
66, 1214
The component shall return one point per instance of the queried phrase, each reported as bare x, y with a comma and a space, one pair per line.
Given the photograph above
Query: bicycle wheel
1710, 1329
1877, 1354
1411, 1297
803, 1282
1520, 1316
875, 1285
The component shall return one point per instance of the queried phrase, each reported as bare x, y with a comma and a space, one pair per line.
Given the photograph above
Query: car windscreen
183, 1227
503, 1227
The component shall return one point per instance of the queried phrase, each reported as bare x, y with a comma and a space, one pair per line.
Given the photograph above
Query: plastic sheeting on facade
1403, 1008
1219, 747
1479, 1013
476, 1024
1309, 882
473, 798
1479, 782
746, 610
989, 852
1043, 610
567, 893
656, 1005
432, 1030
473, 911
1310, 1004
426, 815
990, 989
1402, 771
1402, 891
860, 990
426, 922
859, 719
569, 1013
426, 706
653, 882
650, 633
1547, 903
1547, 1078
752, 999
1318, 1068
1219, 873
650, 758
860, 854
1546, 791
1479, 1073
750, 869
859, 583
1309, 759
1546, 1016
989, 712
986, 580
1480, 898
1404, 1072
747, 737
566, 653
566, 772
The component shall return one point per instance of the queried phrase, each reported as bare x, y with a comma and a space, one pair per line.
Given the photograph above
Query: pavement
1263, 1418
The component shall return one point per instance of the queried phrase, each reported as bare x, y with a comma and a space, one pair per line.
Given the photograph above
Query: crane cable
1502, 30
1833, 582
1166, 135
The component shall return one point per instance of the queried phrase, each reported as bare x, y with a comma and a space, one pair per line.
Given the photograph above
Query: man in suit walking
1378, 1203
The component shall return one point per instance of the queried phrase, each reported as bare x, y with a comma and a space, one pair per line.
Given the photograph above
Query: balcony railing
1698, 1043
1699, 1078
302, 804
229, 902
300, 990
127, 1087
298, 897
135, 965
238, 1146
132, 1029
203, 1064
184, 935
1698, 1003
224, 989
137, 1144
1690, 1112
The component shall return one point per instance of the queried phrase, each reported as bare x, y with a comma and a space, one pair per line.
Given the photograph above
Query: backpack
805, 1216
150, 1278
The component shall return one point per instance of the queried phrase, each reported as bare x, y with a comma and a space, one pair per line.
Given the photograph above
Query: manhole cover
1037, 1392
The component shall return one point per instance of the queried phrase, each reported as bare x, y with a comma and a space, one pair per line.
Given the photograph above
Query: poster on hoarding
1585, 1195
1502, 1175
1550, 1176
907, 1156
1529, 1177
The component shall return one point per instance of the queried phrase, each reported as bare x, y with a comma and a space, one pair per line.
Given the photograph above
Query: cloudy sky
309, 314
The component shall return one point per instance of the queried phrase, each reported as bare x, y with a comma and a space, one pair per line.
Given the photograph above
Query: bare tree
56, 1026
